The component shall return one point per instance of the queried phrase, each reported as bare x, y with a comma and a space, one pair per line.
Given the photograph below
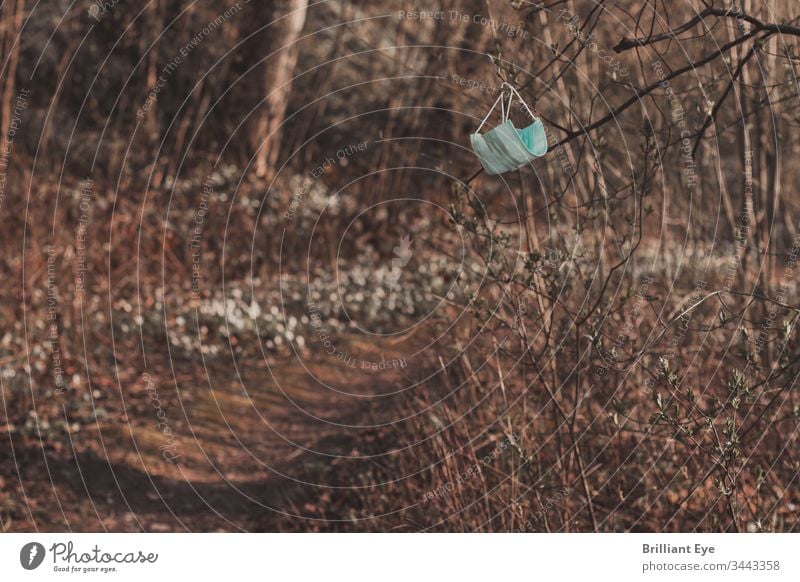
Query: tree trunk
278, 74
12, 15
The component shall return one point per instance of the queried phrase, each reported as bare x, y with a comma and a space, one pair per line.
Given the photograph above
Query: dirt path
251, 446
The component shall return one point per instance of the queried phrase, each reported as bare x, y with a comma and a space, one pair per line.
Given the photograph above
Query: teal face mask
506, 148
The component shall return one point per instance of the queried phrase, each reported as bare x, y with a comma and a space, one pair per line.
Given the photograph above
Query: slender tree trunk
12, 17
278, 75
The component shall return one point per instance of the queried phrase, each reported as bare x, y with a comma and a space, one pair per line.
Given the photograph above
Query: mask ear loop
498, 100
507, 111
513, 92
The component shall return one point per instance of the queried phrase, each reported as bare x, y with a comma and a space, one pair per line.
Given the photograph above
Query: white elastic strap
507, 112
521, 100
490, 112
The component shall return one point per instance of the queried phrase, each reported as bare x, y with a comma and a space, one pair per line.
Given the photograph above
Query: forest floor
247, 440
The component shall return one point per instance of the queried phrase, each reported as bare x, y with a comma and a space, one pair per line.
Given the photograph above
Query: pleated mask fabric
506, 148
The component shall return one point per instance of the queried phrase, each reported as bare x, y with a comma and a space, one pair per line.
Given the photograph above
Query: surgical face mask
506, 148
